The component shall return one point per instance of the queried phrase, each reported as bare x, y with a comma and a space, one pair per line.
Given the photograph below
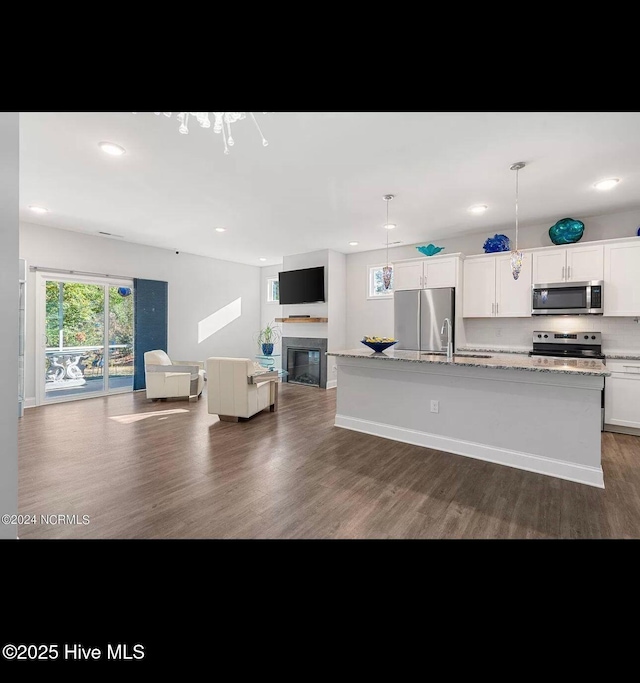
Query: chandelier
222, 121
387, 271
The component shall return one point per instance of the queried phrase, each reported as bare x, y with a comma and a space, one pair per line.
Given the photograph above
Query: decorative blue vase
566, 231
267, 349
496, 243
124, 291
638, 233
429, 250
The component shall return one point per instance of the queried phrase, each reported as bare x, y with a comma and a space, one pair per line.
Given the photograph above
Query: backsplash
618, 334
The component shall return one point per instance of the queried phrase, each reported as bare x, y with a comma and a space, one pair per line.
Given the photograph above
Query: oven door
565, 299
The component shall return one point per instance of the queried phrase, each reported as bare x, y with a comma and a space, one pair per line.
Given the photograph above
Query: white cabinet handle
563, 269
497, 304
568, 272
493, 309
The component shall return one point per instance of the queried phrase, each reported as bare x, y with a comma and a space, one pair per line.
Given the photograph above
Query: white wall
9, 316
269, 310
375, 317
337, 312
198, 287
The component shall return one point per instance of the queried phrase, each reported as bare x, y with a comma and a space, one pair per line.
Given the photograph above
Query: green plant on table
269, 334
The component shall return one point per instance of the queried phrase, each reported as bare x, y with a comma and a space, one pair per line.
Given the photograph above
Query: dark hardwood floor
171, 470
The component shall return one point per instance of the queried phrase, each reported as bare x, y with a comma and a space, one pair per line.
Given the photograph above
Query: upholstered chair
167, 379
234, 389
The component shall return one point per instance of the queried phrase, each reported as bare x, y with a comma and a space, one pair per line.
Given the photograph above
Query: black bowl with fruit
379, 344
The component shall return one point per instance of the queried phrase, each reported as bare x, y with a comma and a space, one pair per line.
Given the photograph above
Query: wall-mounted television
304, 286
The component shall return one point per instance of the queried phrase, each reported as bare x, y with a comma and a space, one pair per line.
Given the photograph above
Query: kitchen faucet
447, 323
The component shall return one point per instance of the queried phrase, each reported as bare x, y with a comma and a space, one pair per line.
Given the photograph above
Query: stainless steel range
577, 349
579, 345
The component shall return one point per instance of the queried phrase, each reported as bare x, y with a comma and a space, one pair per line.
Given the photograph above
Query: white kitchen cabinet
549, 266
427, 273
513, 297
622, 279
407, 275
479, 290
490, 290
568, 264
622, 394
585, 263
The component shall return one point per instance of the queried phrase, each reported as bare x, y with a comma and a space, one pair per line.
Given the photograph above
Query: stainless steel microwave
568, 298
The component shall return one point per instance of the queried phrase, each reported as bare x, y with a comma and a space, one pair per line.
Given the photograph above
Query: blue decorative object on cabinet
638, 232
496, 243
566, 231
429, 250
267, 349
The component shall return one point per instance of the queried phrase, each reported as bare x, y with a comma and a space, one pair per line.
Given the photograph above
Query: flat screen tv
304, 286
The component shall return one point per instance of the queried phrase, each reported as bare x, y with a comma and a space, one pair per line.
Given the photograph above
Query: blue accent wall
150, 315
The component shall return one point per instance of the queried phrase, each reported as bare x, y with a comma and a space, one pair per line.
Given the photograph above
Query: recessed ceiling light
606, 184
389, 226
220, 229
262, 258
112, 149
477, 208
39, 209
353, 244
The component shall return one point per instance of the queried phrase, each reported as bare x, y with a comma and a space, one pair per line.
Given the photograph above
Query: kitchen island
537, 414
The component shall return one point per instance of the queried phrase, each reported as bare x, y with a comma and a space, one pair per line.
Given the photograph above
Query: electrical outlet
498, 332
435, 406
334, 369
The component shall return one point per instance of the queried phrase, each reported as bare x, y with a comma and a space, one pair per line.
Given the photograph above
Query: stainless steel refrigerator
418, 316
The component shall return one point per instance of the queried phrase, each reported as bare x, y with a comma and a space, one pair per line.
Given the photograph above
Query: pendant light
516, 256
387, 271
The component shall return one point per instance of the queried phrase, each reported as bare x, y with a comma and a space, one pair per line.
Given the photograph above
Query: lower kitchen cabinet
622, 394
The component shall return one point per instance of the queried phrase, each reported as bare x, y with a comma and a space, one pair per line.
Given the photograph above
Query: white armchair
166, 379
234, 389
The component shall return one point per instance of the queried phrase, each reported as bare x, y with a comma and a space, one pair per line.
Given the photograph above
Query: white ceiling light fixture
516, 256
477, 209
39, 209
222, 121
262, 258
221, 229
353, 244
111, 148
387, 271
606, 184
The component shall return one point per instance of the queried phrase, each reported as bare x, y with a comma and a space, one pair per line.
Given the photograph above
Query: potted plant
267, 337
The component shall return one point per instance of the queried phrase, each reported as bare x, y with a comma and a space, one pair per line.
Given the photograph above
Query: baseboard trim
332, 383
561, 469
621, 429
30, 402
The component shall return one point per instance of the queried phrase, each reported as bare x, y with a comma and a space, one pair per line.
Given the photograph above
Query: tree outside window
376, 288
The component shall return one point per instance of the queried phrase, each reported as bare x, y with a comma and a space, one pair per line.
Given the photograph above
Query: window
375, 288
273, 290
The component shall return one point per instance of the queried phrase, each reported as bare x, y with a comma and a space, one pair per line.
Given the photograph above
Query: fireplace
304, 359
303, 366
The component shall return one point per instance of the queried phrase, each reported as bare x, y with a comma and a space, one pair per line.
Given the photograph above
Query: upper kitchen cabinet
568, 264
622, 279
490, 290
433, 272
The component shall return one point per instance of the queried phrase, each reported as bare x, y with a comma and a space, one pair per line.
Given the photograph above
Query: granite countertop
497, 361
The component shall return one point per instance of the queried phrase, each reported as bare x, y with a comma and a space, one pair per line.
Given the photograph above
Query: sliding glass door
87, 338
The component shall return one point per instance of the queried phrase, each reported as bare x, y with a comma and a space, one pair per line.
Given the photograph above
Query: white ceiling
319, 183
